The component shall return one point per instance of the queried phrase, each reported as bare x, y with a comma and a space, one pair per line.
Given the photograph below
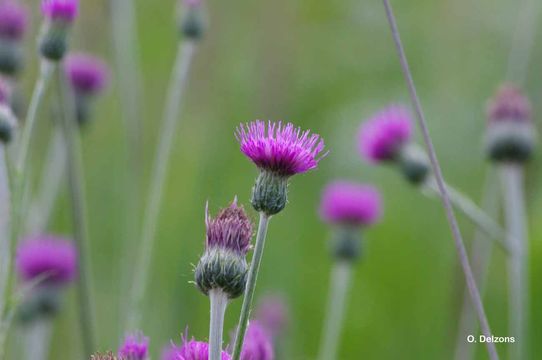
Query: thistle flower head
170, 352
509, 104
231, 229
87, 74
272, 314
196, 350
258, 344
281, 149
384, 134
60, 10
13, 20
49, 256
345, 202
134, 347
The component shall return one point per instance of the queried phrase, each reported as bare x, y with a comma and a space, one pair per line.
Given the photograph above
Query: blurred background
325, 66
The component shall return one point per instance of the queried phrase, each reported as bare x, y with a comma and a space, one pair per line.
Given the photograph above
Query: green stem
79, 218
160, 167
5, 232
251, 285
219, 302
338, 291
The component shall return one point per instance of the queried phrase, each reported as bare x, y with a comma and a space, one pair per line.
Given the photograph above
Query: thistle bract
258, 343
134, 347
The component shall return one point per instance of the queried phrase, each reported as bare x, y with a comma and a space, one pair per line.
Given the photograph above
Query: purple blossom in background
281, 149
47, 255
231, 229
258, 343
171, 352
384, 134
13, 20
509, 104
134, 347
60, 10
87, 74
272, 314
196, 350
350, 203
192, 3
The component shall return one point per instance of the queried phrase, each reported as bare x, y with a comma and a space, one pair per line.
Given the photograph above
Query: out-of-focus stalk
37, 339
5, 232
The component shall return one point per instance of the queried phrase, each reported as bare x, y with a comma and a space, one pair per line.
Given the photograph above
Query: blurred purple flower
231, 229
134, 347
258, 344
346, 202
196, 350
87, 74
60, 10
13, 20
509, 104
272, 314
192, 3
281, 149
47, 255
171, 352
384, 134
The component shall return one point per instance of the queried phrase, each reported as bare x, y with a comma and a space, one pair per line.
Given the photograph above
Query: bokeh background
325, 66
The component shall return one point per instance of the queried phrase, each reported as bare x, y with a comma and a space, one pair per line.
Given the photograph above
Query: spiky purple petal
87, 74
134, 347
62, 10
230, 229
196, 350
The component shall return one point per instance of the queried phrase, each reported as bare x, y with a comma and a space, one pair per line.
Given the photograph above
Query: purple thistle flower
47, 255
384, 134
350, 203
13, 20
272, 314
509, 104
258, 344
196, 350
87, 74
134, 347
171, 352
231, 229
60, 10
281, 149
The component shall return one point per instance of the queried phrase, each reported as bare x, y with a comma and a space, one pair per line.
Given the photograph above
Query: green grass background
324, 65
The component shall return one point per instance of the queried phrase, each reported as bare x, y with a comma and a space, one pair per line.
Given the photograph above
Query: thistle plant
190, 350
279, 151
221, 273
175, 95
13, 26
386, 138
348, 207
510, 141
441, 184
134, 347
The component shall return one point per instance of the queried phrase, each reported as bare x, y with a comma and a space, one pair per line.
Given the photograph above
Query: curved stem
518, 270
219, 302
338, 290
79, 218
251, 285
160, 167
454, 226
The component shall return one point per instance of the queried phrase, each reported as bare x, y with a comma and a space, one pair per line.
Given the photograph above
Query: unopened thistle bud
59, 15
13, 25
192, 21
134, 347
387, 138
51, 262
348, 207
223, 266
279, 151
8, 121
510, 133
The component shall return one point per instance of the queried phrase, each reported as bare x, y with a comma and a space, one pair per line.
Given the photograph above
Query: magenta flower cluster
60, 10
134, 347
384, 134
49, 256
278, 148
231, 229
258, 344
87, 74
192, 350
345, 202
13, 20
509, 104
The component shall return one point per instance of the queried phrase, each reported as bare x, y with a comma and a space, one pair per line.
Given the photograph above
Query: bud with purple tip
258, 343
387, 138
349, 206
223, 266
134, 347
192, 22
88, 76
59, 15
13, 25
279, 151
52, 263
510, 132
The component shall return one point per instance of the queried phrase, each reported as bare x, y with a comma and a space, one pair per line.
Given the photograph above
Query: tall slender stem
338, 290
177, 86
251, 285
456, 232
518, 267
5, 232
79, 218
37, 339
219, 302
